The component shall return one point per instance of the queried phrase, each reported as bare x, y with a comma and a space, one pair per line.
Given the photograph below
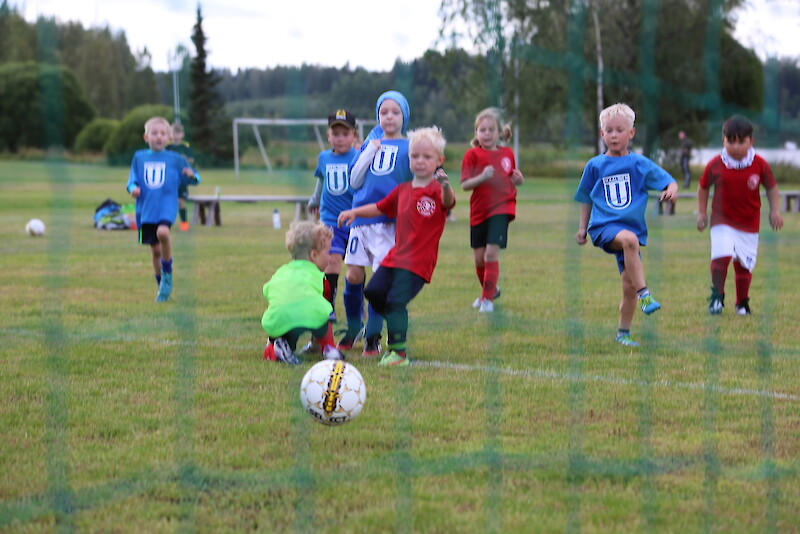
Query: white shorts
742, 246
369, 244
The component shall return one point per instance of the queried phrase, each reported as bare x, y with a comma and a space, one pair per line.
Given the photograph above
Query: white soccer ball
35, 227
333, 392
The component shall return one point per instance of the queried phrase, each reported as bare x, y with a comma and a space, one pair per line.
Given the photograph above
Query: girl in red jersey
736, 175
490, 172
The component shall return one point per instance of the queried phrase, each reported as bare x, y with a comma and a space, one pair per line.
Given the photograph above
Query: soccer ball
333, 392
35, 227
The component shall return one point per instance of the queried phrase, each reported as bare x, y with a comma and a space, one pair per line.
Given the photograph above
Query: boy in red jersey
736, 175
420, 208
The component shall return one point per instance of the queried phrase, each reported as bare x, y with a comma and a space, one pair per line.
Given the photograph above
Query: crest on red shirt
426, 206
753, 181
506, 164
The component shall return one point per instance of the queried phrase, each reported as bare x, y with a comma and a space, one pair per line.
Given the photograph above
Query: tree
43, 106
208, 127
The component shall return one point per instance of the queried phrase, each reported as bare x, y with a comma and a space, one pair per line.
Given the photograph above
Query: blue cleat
648, 304
164, 288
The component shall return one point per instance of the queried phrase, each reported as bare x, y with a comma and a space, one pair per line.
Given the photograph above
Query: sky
266, 33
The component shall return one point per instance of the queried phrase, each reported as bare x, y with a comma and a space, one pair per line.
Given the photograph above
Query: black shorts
492, 231
148, 233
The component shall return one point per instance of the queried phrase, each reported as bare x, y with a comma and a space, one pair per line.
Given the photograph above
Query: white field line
570, 377
523, 373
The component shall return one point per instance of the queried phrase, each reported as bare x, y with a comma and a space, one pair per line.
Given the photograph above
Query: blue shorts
339, 241
604, 240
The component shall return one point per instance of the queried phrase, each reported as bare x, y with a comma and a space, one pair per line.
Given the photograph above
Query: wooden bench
790, 201
211, 203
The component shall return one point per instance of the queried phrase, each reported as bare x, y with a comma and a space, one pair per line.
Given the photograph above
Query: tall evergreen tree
205, 107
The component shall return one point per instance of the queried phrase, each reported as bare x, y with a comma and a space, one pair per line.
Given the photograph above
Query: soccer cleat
625, 339
477, 302
329, 352
164, 288
393, 359
372, 347
716, 302
311, 347
269, 352
487, 306
283, 352
743, 308
184, 226
648, 304
347, 342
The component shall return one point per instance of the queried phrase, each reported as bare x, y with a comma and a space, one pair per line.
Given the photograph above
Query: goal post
317, 125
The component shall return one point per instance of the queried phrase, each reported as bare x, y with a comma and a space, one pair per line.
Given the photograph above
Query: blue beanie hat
401, 101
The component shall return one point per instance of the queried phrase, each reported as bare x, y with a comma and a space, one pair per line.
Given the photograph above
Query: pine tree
206, 115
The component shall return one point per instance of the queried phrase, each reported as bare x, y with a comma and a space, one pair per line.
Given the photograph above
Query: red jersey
737, 199
497, 195
420, 215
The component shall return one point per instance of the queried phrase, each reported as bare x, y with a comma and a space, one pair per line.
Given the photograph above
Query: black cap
342, 117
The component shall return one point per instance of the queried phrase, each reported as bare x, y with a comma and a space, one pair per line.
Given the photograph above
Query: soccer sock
622, 332
374, 322
158, 280
353, 298
742, 277
333, 281
399, 348
327, 340
182, 212
719, 271
480, 272
490, 276
166, 266
642, 293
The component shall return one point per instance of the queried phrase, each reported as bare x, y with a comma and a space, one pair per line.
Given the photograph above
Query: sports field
122, 415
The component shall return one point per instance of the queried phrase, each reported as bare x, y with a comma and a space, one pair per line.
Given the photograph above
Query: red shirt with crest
737, 196
498, 194
421, 215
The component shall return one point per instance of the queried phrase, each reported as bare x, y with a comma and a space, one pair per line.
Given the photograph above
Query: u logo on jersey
154, 174
336, 178
384, 161
618, 191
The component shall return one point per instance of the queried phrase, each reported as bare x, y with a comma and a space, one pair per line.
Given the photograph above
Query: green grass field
121, 415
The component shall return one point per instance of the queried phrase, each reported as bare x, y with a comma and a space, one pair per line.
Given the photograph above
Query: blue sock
158, 280
166, 266
374, 322
353, 298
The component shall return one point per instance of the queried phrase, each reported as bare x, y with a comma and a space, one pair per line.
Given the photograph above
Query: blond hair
305, 236
495, 114
152, 120
617, 110
430, 134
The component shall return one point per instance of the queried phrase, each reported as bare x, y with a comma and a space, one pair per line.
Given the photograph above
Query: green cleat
393, 359
627, 341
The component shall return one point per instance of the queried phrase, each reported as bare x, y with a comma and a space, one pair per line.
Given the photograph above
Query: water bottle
276, 219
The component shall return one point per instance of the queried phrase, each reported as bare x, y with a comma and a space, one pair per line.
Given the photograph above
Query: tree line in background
549, 64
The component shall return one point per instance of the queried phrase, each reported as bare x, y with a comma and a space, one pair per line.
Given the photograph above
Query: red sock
492, 274
480, 272
719, 272
742, 277
327, 339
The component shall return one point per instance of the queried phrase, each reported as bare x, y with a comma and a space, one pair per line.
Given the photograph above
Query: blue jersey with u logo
389, 167
337, 195
158, 176
616, 187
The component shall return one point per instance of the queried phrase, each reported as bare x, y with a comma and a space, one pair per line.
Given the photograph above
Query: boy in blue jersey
378, 169
613, 197
155, 176
181, 146
333, 193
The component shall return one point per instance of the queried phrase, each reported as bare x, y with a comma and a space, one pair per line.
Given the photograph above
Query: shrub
127, 138
95, 135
